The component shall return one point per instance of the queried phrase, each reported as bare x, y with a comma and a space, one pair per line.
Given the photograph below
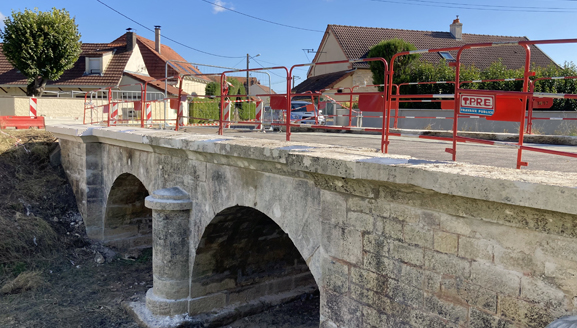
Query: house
256, 88
128, 59
352, 42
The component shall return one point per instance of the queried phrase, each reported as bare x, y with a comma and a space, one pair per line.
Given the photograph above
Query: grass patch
23, 237
29, 280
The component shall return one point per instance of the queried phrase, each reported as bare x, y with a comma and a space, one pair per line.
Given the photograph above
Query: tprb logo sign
477, 105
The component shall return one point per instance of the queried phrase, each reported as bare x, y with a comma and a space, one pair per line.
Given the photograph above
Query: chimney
130, 39
157, 38
457, 29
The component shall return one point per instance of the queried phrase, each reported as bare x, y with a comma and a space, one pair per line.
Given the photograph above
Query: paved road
426, 149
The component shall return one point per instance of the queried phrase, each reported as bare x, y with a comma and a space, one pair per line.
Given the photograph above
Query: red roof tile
356, 42
320, 82
156, 63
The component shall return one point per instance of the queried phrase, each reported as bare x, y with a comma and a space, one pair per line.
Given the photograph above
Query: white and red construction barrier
33, 107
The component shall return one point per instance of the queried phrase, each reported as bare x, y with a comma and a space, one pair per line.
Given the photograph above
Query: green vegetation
207, 110
386, 50
424, 71
41, 45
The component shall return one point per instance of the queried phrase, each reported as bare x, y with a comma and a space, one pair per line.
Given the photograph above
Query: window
447, 56
94, 65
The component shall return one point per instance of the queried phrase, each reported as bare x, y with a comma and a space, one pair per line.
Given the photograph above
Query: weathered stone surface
342, 243
476, 249
446, 242
496, 279
464, 292
452, 312
447, 264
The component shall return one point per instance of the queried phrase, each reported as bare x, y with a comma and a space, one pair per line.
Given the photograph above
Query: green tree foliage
386, 50
41, 45
212, 89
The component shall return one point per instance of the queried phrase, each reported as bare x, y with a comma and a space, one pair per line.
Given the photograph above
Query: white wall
330, 51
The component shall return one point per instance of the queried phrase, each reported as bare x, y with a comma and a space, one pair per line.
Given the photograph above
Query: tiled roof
75, 76
320, 82
266, 89
157, 84
356, 42
156, 63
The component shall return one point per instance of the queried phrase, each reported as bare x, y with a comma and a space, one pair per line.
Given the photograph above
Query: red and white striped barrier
33, 107
204, 124
114, 113
181, 114
258, 113
148, 111
226, 113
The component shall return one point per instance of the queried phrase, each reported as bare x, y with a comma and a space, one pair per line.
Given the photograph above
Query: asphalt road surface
499, 156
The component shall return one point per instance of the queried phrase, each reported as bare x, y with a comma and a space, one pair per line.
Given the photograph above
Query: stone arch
127, 222
245, 260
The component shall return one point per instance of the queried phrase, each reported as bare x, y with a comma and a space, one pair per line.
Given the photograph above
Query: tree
212, 89
41, 45
386, 50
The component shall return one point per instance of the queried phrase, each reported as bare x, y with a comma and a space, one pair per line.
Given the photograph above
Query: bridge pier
170, 251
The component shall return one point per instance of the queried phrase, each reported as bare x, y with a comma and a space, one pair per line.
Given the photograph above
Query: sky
280, 30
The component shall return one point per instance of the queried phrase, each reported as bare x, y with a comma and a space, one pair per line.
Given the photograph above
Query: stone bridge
238, 224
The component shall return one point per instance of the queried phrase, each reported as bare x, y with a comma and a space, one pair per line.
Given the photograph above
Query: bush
204, 110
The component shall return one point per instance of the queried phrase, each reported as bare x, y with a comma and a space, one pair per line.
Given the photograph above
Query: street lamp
247, 73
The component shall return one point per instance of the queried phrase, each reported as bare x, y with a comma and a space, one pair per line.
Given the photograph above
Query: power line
468, 6
164, 36
273, 73
263, 20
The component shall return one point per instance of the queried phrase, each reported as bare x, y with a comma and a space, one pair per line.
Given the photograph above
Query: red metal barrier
108, 105
170, 102
352, 93
490, 103
274, 98
21, 122
544, 103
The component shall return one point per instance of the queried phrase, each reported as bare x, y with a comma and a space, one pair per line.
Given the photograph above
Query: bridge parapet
387, 239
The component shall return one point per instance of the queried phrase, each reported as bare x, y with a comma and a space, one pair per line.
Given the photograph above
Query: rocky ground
51, 275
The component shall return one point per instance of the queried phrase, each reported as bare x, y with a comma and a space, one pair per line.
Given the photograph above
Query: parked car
301, 113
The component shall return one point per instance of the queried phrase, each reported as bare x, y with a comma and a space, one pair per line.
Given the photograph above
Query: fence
492, 105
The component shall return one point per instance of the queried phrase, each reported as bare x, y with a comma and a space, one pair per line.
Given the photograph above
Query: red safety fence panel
371, 103
22, 122
278, 102
508, 109
310, 108
447, 104
542, 103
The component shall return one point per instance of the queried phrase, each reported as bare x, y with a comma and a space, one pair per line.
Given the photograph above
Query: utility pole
247, 76
294, 79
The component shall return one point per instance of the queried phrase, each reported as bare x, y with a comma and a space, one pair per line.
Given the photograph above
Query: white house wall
330, 51
136, 62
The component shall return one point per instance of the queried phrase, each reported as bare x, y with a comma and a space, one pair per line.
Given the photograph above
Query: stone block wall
401, 256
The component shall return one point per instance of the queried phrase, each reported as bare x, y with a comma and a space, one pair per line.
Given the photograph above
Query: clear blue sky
212, 29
